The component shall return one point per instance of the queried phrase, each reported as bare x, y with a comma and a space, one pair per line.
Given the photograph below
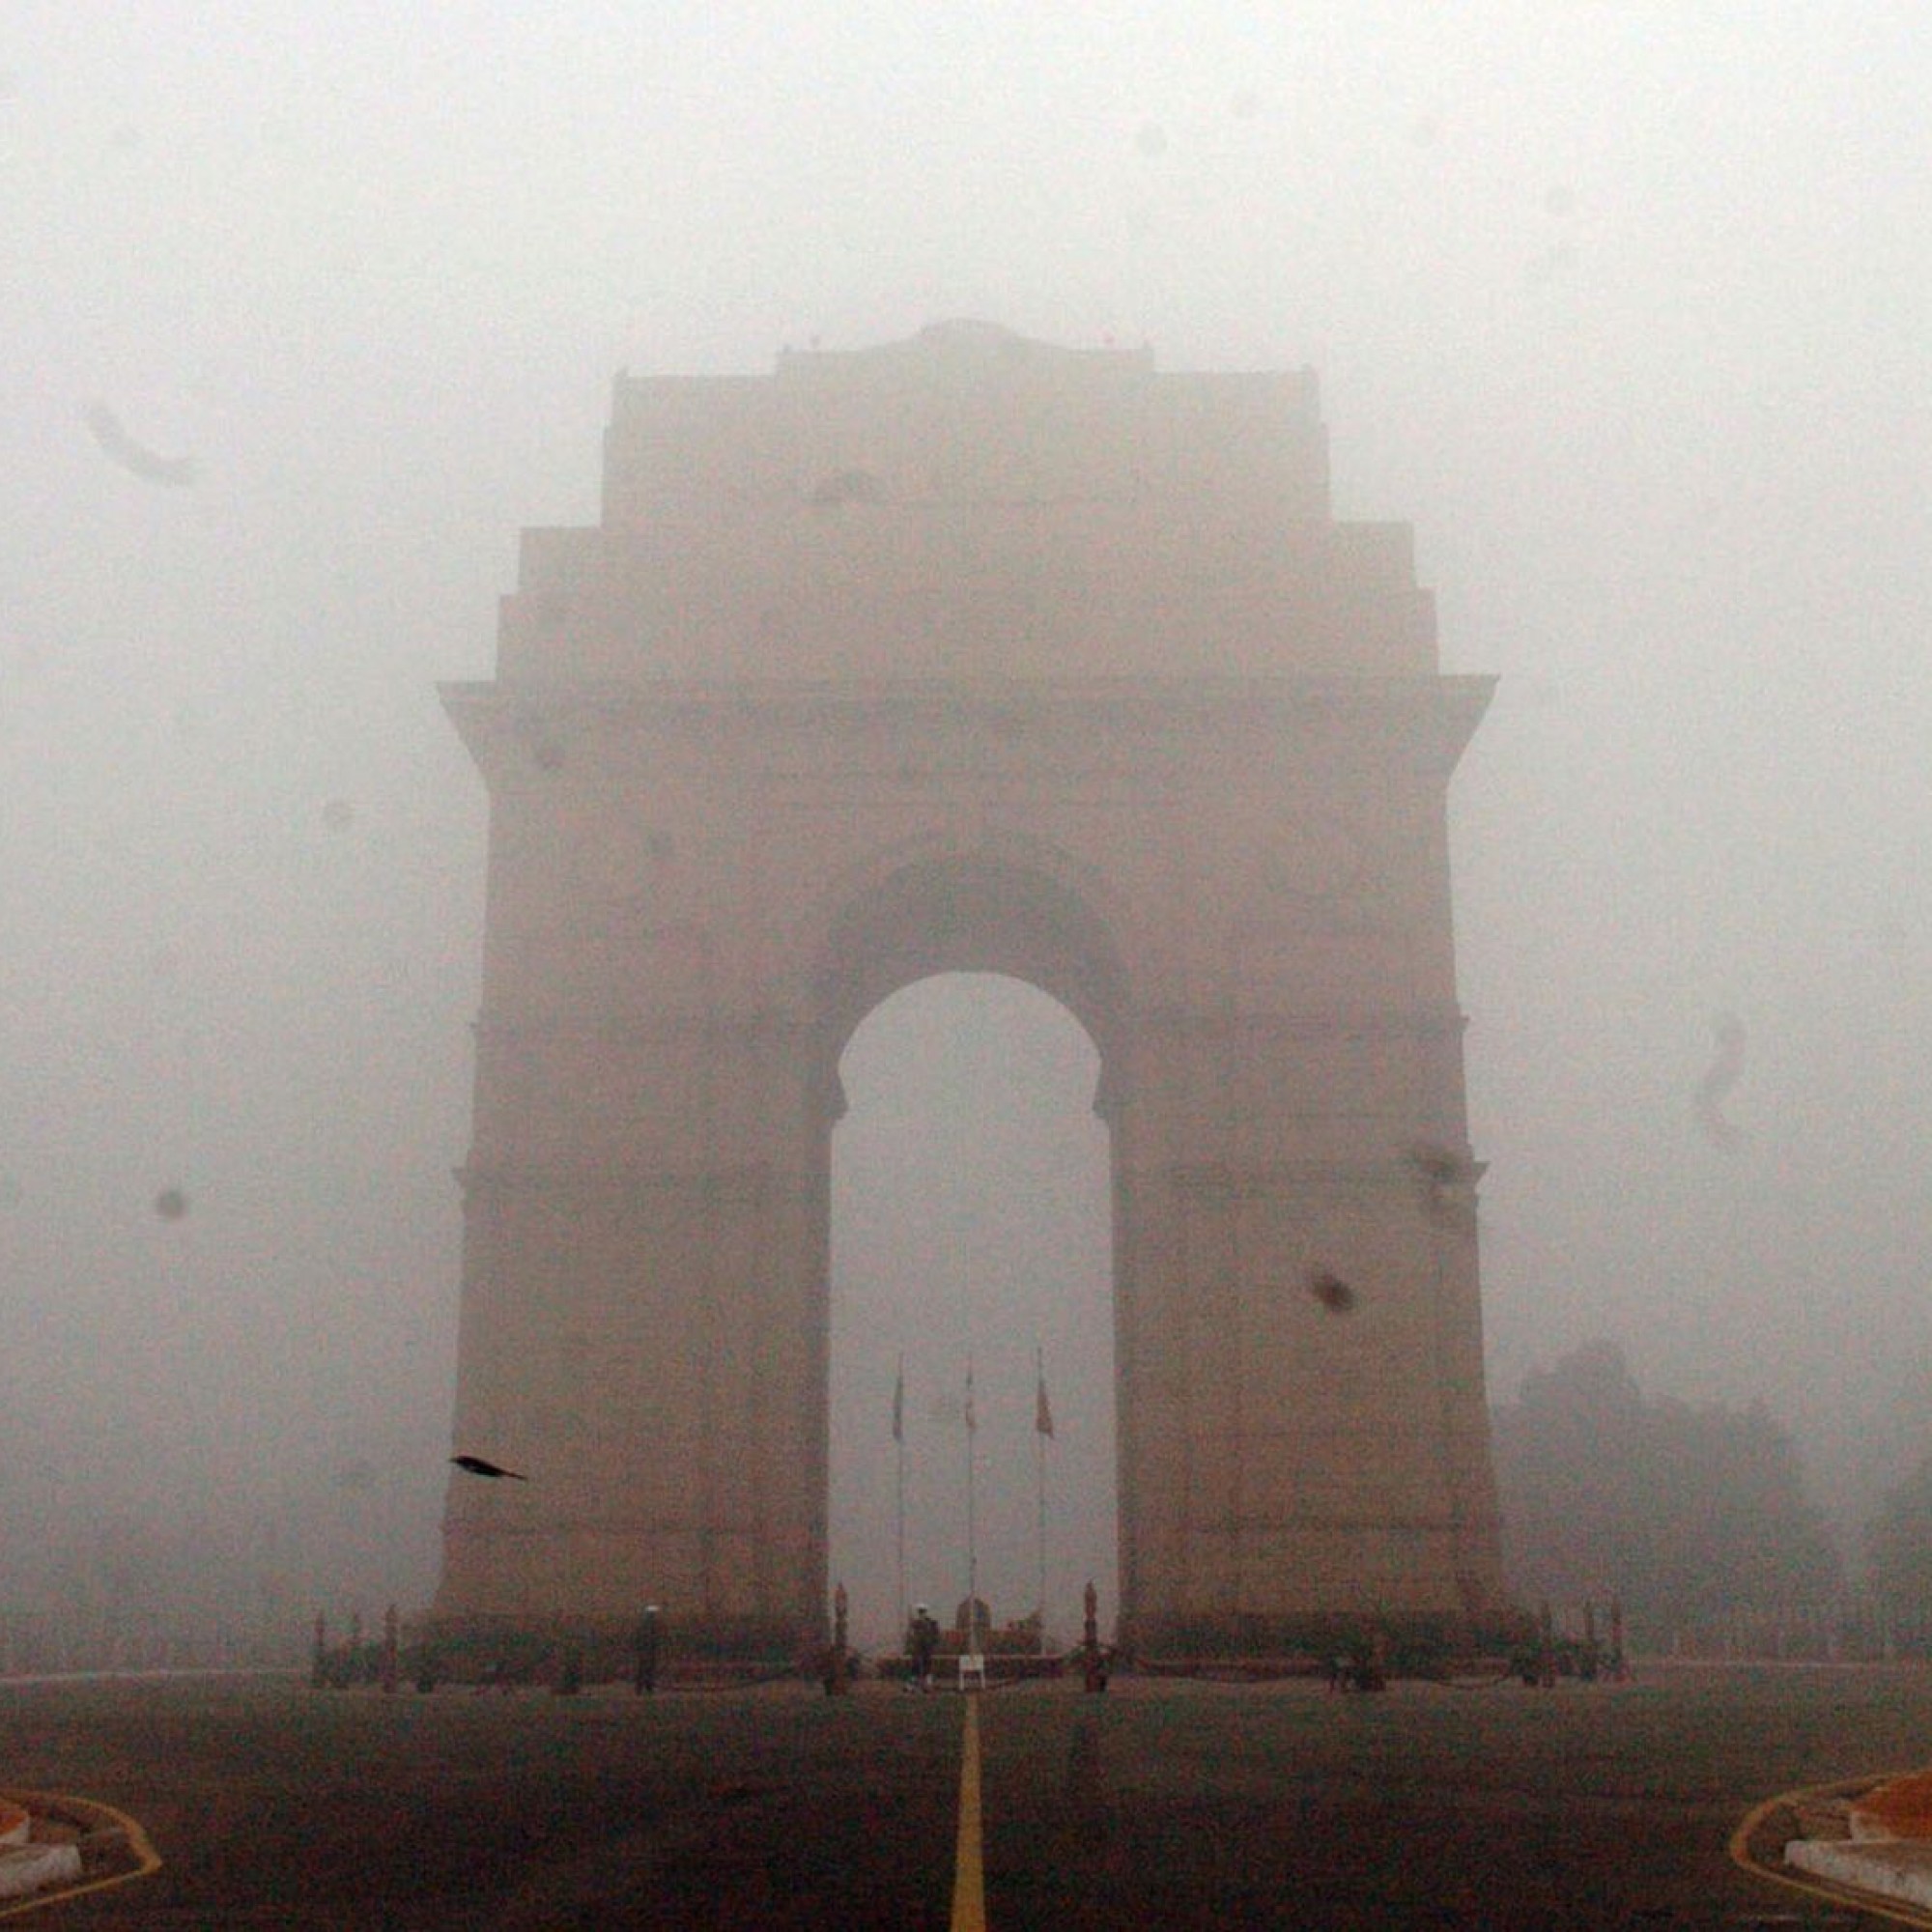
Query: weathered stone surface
969, 654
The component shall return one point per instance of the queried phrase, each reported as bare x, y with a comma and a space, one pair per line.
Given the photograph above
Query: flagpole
898, 1446
1040, 1429
972, 1527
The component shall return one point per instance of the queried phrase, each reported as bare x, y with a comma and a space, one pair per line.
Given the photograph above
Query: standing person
922, 1642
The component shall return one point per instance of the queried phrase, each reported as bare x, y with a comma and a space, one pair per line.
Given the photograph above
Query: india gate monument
972, 654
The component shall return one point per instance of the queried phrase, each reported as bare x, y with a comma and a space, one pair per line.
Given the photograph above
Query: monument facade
969, 654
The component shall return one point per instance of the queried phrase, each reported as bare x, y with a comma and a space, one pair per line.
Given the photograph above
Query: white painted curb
25, 1868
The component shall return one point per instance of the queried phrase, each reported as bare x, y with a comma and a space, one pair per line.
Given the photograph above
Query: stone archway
1085, 686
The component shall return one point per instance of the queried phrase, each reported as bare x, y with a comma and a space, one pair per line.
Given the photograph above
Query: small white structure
26, 1869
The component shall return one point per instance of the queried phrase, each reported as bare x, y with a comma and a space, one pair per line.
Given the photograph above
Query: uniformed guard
922, 1642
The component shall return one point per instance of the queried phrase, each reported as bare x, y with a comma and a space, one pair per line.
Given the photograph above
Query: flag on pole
899, 1403
972, 1420
1042, 1410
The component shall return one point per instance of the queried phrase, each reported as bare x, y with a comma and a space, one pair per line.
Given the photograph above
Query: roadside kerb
1868, 1875
92, 1847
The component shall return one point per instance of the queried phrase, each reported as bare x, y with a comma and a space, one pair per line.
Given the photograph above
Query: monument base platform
555, 1651
1409, 1644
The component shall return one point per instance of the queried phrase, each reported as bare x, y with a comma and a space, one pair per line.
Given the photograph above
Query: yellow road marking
969, 1878
1895, 1909
146, 1858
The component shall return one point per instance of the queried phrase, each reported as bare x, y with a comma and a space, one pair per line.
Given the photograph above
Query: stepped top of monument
965, 341
966, 501
964, 409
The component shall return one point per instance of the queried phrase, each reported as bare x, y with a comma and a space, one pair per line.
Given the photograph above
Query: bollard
837, 1675
645, 1677
1093, 1662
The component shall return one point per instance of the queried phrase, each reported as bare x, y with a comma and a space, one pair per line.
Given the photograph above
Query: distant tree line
1898, 1560
103, 1588
1693, 1517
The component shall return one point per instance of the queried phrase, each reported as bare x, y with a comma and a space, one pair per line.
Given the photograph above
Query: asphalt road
1162, 1803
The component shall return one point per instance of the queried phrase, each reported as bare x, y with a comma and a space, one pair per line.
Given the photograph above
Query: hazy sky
1623, 306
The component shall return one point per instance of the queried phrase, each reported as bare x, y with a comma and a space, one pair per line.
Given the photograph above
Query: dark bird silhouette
478, 1467
135, 457
1331, 1292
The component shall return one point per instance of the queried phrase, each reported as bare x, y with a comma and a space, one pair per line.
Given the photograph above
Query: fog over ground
307, 312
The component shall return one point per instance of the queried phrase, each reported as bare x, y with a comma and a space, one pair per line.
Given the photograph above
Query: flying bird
136, 457
478, 1467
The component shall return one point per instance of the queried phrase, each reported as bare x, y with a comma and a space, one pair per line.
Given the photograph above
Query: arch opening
979, 914
971, 1225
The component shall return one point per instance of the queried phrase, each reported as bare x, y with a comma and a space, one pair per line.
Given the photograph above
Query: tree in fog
1692, 1516
1898, 1554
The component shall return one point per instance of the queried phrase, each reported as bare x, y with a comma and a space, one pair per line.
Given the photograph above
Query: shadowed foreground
1161, 1804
